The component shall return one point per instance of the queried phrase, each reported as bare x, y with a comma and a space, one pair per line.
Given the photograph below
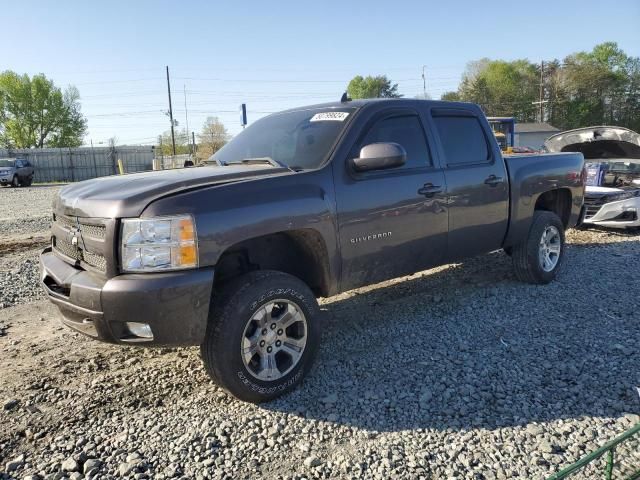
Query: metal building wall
83, 163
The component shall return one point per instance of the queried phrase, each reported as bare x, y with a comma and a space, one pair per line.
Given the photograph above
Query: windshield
299, 140
5, 162
623, 165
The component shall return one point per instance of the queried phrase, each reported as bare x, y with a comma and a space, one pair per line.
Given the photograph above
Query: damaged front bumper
159, 309
615, 214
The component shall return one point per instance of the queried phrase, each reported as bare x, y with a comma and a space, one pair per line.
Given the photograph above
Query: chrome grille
92, 230
95, 231
81, 239
68, 250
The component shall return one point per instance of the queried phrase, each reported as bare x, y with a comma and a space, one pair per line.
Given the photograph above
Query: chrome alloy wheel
274, 340
549, 249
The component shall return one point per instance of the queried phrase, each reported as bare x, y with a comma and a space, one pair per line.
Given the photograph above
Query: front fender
228, 214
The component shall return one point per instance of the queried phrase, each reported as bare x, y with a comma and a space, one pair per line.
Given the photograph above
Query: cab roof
360, 103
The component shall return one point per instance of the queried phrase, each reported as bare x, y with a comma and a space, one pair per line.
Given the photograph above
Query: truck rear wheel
263, 335
538, 259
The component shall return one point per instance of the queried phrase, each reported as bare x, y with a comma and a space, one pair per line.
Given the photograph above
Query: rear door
477, 184
391, 222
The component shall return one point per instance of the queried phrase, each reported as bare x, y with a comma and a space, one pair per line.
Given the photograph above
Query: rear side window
462, 139
405, 130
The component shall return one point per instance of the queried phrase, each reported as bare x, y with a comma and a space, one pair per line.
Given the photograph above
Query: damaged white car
612, 163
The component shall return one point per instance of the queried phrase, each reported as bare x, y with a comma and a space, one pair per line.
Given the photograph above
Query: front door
391, 222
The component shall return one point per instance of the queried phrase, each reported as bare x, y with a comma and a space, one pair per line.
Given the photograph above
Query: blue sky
275, 55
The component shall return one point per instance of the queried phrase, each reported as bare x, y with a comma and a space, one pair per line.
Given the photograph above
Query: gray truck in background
302, 204
16, 172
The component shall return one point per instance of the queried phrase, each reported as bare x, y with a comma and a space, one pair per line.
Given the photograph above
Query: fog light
142, 330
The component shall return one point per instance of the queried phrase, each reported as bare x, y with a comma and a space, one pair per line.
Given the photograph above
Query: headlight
162, 243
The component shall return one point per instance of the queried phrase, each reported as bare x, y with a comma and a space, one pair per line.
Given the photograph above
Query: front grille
89, 245
592, 206
89, 229
94, 260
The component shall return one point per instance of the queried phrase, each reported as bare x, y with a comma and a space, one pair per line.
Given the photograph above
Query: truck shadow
469, 347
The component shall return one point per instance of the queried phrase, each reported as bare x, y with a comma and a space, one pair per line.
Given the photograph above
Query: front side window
405, 130
300, 140
462, 140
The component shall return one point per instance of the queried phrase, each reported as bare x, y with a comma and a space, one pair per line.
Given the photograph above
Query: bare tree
212, 138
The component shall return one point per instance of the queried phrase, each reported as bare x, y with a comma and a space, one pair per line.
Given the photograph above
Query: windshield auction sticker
329, 116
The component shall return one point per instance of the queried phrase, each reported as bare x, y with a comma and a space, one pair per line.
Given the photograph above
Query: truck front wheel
263, 334
539, 257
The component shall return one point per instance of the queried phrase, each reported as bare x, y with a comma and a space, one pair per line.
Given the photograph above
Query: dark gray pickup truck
302, 204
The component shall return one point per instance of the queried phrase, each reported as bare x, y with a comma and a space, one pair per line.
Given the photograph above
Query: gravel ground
25, 211
457, 372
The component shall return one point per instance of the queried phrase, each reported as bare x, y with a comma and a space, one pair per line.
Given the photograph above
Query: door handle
429, 190
493, 180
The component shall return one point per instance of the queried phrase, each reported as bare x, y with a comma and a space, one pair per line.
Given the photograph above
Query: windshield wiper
255, 160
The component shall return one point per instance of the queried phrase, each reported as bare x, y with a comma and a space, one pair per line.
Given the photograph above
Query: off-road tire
15, 181
232, 307
525, 256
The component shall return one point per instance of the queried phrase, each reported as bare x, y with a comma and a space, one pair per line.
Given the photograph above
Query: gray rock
312, 461
10, 404
70, 465
126, 468
330, 399
546, 447
14, 464
90, 464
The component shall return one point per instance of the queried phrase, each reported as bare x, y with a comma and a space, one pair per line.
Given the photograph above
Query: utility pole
173, 136
186, 116
540, 101
193, 138
541, 91
424, 82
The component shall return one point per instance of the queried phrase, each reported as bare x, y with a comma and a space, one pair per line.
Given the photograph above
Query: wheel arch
302, 253
557, 201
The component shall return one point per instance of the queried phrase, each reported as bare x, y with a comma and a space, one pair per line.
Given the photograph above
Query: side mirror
379, 156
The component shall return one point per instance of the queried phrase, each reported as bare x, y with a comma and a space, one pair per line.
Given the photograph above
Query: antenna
345, 98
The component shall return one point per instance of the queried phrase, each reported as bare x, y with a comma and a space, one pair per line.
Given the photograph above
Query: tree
36, 113
212, 137
600, 87
502, 88
182, 142
451, 96
372, 87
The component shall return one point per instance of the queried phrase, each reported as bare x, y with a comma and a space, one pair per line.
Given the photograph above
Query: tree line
597, 87
600, 87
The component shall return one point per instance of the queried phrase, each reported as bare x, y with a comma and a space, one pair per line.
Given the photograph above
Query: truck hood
597, 143
121, 196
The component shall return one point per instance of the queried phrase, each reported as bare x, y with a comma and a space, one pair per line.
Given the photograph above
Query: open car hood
597, 143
